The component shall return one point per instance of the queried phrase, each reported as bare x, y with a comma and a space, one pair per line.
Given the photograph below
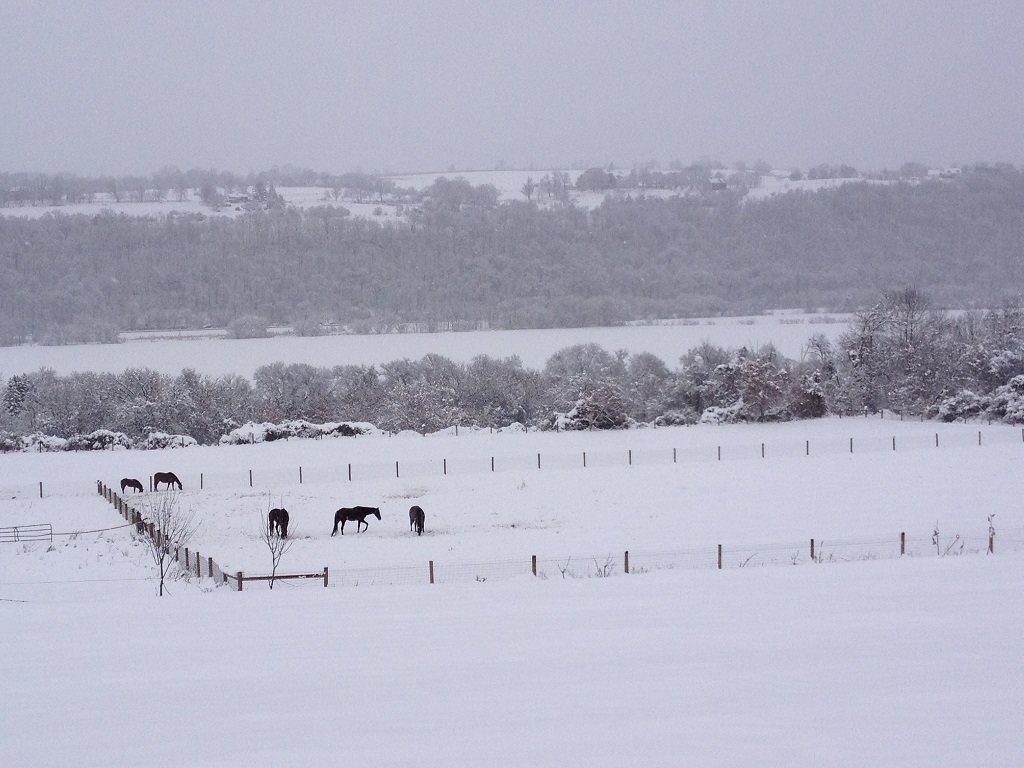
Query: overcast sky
95, 87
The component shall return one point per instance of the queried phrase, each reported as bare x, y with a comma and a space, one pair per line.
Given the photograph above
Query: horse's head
376, 512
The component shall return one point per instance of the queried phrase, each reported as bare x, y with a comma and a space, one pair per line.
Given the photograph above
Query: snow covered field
508, 183
860, 659
217, 356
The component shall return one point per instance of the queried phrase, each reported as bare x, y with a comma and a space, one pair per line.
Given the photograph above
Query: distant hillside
463, 254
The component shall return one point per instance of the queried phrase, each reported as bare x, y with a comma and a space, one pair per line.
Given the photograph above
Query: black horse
169, 478
359, 514
131, 482
416, 518
278, 519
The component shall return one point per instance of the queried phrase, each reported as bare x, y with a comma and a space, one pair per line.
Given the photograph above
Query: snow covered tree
500, 392
647, 386
761, 385
16, 394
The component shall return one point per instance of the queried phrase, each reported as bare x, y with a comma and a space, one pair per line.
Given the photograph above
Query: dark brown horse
359, 514
131, 482
278, 520
416, 518
168, 478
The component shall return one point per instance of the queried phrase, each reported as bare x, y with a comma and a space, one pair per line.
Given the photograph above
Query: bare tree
172, 528
277, 544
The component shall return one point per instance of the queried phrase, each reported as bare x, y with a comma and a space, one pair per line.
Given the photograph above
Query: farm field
218, 356
860, 658
579, 496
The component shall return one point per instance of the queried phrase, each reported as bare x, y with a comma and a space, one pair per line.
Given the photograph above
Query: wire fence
601, 565
278, 475
705, 558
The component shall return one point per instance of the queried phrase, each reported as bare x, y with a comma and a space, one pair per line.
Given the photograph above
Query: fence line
721, 557
193, 563
585, 460
189, 562
18, 533
536, 462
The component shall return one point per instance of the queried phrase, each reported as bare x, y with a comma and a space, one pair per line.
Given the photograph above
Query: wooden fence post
812, 550
325, 575
239, 577
396, 469
350, 472
903, 543
199, 566
851, 445
188, 566
209, 566
300, 475
533, 565
625, 564
584, 459
719, 453
631, 457
492, 463
40, 489
431, 571
808, 447
936, 439
673, 455
250, 478
445, 465
719, 557
200, 481
538, 461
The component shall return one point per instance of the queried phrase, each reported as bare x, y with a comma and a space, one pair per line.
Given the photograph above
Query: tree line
902, 355
459, 256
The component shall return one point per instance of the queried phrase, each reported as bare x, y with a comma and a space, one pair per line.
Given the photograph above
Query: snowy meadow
856, 657
214, 355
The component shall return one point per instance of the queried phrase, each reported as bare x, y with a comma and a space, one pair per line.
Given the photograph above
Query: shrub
963, 405
159, 440
1007, 403
249, 327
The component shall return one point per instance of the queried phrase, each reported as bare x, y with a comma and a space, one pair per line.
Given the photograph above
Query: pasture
861, 657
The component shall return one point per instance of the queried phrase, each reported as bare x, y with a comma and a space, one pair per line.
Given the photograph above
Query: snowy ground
862, 659
216, 355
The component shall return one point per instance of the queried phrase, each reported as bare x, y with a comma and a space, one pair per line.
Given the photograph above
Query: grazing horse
131, 482
169, 478
416, 518
359, 514
278, 519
